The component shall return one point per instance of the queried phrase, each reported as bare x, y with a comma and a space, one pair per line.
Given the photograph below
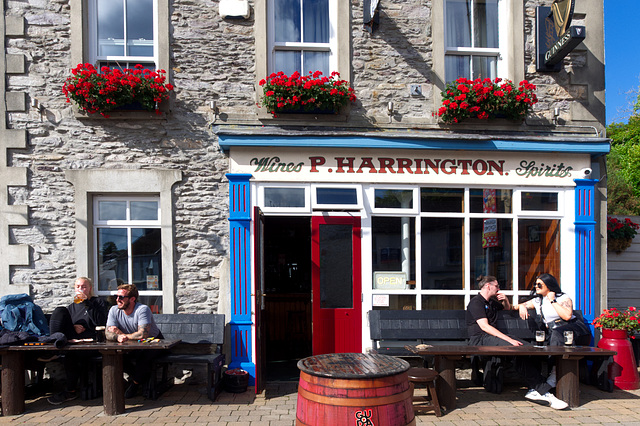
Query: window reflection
491, 248
541, 201
442, 200
442, 253
393, 240
393, 199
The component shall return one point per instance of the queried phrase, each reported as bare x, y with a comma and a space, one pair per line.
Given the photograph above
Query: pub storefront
326, 229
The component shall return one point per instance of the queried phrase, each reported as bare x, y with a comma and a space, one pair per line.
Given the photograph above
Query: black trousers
528, 367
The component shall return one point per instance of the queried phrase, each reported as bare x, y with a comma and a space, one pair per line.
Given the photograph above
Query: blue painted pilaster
240, 276
585, 247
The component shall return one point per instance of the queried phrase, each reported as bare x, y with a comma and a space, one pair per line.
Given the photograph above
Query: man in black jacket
77, 321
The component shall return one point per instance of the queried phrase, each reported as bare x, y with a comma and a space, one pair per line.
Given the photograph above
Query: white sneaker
533, 395
555, 403
551, 380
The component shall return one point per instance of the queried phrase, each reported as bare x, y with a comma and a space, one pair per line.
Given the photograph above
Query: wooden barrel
344, 401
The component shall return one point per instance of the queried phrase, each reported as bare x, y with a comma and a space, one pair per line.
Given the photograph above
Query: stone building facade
56, 162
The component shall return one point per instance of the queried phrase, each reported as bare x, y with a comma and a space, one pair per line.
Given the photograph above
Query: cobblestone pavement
187, 405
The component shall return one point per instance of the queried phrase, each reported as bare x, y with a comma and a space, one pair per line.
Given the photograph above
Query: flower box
101, 93
236, 380
485, 99
309, 94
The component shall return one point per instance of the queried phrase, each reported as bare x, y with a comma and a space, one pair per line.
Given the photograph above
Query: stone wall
214, 59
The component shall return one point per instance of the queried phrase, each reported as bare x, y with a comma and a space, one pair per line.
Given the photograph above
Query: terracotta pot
623, 370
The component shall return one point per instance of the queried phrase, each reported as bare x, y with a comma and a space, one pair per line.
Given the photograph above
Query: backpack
19, 313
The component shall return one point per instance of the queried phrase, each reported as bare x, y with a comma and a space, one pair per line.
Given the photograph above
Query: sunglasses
118, 297
538, 285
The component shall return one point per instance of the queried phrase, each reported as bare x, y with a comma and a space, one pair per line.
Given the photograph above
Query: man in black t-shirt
482, 315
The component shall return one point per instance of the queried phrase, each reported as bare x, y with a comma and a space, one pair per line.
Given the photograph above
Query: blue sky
622, 56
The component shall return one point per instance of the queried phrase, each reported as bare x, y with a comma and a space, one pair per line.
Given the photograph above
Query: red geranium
95, 92
619, 320
486, 98
305, 93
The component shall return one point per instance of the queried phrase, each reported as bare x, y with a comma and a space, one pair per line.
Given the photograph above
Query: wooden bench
202, 336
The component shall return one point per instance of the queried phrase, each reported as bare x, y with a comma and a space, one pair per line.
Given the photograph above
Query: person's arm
523, 308
489, 329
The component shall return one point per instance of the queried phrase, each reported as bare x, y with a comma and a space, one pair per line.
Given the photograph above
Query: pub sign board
555, 38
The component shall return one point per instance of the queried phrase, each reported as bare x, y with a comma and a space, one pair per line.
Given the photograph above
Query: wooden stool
427, 376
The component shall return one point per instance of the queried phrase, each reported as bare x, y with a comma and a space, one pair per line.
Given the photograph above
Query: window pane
144, 210
110, 27
538, 250
490, 200
402, 302
441, 200
442, 253
442, 302
485, 67
336, 266
287, 20
112, 257
457, 66
541, 201
486, 23
146, 258
284, 197
153, 302
288, 61
393, 199
458, 23
140, 27
316, 61
112, 210
393, 240
491, 248
316, 21
337, 196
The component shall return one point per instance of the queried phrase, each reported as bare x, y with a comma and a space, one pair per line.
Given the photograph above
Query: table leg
112, 383
568, 375
446, 383
12, 383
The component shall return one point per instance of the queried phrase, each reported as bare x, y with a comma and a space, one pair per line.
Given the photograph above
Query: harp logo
562, 14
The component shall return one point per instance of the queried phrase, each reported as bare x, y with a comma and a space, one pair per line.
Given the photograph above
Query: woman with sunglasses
555, 308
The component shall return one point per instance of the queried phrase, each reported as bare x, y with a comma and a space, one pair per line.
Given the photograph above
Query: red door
336, 284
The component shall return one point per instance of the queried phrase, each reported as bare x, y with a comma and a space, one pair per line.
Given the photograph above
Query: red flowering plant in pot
614, 319
486, 99
101, 92
305, 93
620, 233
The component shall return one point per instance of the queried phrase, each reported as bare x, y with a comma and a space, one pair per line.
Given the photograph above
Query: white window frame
499, 53
284, 210
123, 224
351, 207
331, 46
125, 61
371, 198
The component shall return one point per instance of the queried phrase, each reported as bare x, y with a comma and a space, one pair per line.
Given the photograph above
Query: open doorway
287, 290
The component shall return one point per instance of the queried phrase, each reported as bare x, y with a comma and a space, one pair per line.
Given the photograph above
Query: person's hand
515, 342
79, 329
523, 311
122, 338
501, 296
551, 296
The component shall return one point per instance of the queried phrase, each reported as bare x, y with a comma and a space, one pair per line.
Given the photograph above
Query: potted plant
95, 92
236, 380
305, 93
617, 326
620, 233
485, 99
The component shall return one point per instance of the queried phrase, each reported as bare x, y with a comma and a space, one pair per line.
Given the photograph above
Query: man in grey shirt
130, 320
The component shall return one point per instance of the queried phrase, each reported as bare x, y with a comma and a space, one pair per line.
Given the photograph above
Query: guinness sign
555, 38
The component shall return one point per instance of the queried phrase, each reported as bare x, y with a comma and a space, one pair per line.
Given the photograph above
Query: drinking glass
568, 338
539, 339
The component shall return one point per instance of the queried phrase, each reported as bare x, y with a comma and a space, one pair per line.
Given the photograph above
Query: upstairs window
473, 36
123, 33
302, 36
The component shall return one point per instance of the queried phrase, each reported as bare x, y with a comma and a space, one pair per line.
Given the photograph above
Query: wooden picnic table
112, 370
567, 371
